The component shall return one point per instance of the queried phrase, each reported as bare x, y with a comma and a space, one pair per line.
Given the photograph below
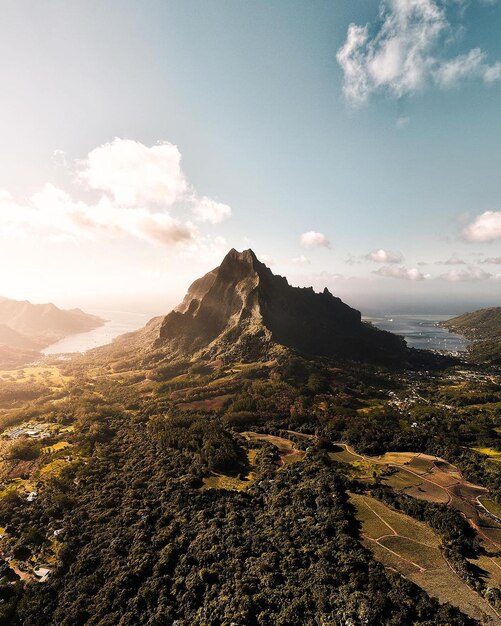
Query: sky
353, 144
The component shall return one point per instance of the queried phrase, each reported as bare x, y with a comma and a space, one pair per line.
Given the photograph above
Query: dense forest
141, 539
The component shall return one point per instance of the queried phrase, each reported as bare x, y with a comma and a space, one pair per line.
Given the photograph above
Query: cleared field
60, 445
381, 517
426, 557
279, 442
492, 453
220, 481
47, 375
211, 404
397, 458
287, 451
492, 506
233, 483
293, 457
446, 586
491, 568
412, 548
54, 468
427, 478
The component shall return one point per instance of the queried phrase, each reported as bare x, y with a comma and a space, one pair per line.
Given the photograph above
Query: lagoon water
119, 322
421, 331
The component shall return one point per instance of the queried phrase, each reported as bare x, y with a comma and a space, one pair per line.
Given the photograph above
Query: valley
288, 484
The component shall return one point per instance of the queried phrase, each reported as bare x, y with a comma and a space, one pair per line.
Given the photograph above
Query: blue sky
362, 166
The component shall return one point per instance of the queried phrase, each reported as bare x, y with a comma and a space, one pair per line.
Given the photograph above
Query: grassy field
287, 452
233, 483
492, 453
210, 404
46, 375
60, 445
491, 567
492, 506
54, 468
412, 548
279, 442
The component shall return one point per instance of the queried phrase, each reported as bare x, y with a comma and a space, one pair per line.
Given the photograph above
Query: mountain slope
483, 328
242, 311
13, 339
45, 322
26, 328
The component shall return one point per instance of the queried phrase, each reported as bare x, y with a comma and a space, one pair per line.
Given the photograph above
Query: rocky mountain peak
243, 311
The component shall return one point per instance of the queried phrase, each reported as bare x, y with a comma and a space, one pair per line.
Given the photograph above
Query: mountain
483, 329
13, 339
242, 311
45, 323
26, 328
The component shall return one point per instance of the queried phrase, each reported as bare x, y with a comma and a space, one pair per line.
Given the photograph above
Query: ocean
421, 331
119, 322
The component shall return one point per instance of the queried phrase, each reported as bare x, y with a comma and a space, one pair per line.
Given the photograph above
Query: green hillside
483, 328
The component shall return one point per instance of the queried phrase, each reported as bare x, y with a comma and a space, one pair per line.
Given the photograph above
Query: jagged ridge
242, 309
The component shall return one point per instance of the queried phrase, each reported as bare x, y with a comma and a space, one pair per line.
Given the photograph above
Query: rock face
241, 309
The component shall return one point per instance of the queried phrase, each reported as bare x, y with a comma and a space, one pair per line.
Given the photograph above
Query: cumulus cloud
135, 174
492, 260
401, 272
469, 274
384, 256
312, 239
207, 210
138, 188
54, 213
485, 227
405, 51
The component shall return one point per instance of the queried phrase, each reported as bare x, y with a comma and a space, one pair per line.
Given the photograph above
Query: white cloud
312, 239
139, 186
467, 65
384, 256
207, 210
392, 271
135, 174
492, 260
300, 260
404, 52
485, 227
53, 213
470, 274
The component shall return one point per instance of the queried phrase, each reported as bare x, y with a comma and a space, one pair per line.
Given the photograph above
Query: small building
42, 573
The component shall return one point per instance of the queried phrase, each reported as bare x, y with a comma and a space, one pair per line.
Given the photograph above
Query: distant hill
483, 328
242, 311
26, 328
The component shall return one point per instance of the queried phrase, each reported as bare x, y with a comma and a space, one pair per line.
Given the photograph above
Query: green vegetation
483, 328
217, 492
